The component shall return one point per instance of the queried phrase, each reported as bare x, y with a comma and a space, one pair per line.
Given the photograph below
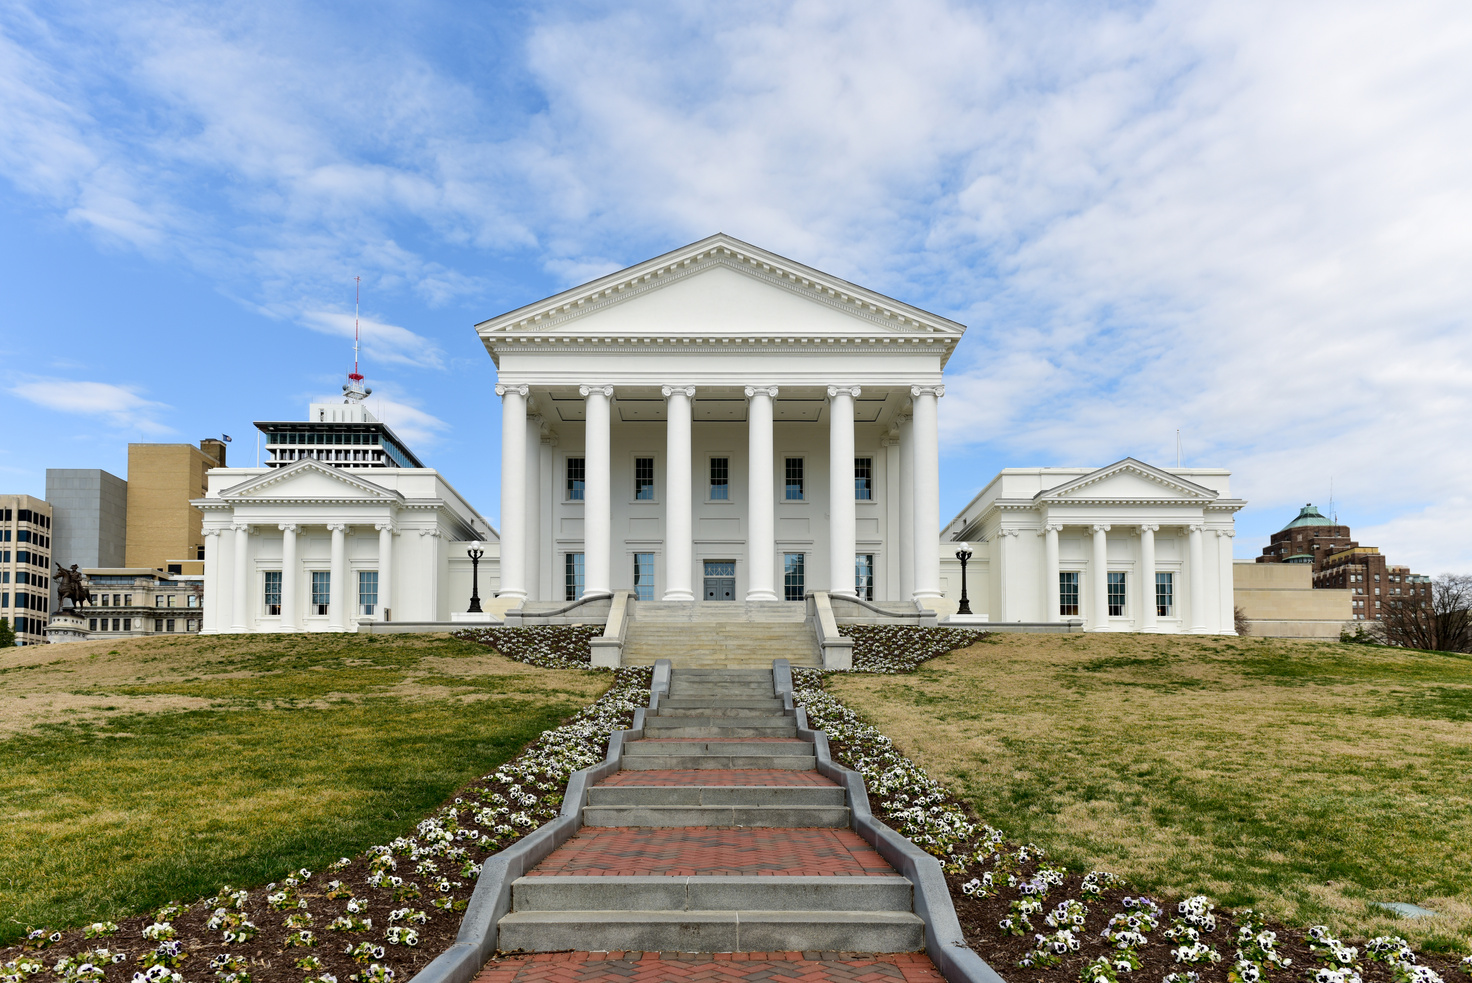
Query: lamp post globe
475, 552
963, 553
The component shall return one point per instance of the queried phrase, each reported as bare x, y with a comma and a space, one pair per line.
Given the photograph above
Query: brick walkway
740, 967
711, 776
713, 851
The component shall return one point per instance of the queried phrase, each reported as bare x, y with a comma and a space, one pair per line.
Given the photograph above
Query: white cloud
121, 406
404, 415
381, 342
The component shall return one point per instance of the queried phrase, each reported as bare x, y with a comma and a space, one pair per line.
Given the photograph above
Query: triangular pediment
309, 480
719, 287
1127, 481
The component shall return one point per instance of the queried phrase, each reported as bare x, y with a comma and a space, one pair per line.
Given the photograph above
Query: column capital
241, 527
851, 390
1226, 533
1009, 532
1149, 527
936, 391
429, 532
337, 527
287, 526
213, 532
1052, 527
1195, 527
668, 391
586, 391
1101, 527
502, 390
762, 391
384, 526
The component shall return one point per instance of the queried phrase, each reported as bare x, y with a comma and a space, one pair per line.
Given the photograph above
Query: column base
1152, 630
1197, 630
926, 595
239, 630
286, 630
761, 595
1102, 628
678, 595
515, 595
1232, 633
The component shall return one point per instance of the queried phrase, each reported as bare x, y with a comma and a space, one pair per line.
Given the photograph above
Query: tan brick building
1340, 563
165, 532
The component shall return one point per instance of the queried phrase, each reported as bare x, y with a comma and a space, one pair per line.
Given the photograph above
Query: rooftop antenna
1178, 448
1333, 516
353, 391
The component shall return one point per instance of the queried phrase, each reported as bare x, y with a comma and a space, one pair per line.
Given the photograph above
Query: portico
719, 423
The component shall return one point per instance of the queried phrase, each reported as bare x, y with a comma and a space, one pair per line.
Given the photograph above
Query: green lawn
136, 772
1302, 778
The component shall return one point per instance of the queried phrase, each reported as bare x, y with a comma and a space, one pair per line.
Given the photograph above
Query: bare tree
1240, 622
1441, 621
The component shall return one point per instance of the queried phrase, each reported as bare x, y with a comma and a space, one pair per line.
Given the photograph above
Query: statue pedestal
66, 627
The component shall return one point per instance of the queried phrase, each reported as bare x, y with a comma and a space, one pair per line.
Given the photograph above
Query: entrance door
720, 580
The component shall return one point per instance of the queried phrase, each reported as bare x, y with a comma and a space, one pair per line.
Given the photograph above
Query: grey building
90, 518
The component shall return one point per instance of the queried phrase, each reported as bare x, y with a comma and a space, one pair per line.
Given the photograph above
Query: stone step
698, 727
774, 748
758, 816
722, 708
681, 690
700, 930
672, 761
722, 795
719, 893
721, 612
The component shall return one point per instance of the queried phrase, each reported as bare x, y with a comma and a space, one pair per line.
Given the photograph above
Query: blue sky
1247, 220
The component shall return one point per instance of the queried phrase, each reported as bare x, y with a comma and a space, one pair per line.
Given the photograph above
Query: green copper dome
1308, 516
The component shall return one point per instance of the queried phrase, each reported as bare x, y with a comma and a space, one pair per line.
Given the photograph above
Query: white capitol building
718, 424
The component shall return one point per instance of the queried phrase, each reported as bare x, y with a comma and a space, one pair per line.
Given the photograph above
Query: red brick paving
712, 851
711, 776
738, 967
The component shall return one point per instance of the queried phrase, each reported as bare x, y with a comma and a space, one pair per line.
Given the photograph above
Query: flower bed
378, 917
548, 646
901, 648
1034, 920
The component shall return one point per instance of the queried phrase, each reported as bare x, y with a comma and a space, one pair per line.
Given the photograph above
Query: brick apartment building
1340, 562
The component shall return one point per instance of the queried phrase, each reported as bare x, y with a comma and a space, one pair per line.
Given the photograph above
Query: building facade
89, 510
719, 423
25, 566
128, 603
1340, 563
339, 434
164, 531
1128, 547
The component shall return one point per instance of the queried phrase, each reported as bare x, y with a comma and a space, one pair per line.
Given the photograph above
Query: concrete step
723, 612
722, 795
670, 761
747, 719
719, 893
720, 691
718, 708
719, 643
763, 816
779, 748
698, 732
701, 930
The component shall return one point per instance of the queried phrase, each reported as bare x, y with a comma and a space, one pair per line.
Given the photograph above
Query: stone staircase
718, 835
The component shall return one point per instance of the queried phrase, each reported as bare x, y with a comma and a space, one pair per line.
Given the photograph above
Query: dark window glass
273, 592
1068, 593
575, 484
794, 481
720, 479
864, 479
644, 479
572, 574
1116, 595
793, 577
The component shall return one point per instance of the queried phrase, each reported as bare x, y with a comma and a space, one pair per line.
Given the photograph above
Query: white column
216, 607
532, 505
842, 513
761, 523
892, 514
1197, 575
999, 576
597, 491
678, 527
907, 509
240, 588
1147, 578
338, 589
289, 564
927, 490
1228, 624
385, 569
544, 590
435, 607
1099, 580
1052, 603
513, 490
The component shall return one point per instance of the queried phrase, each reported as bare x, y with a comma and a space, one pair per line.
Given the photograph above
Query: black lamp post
475, 553
963, 554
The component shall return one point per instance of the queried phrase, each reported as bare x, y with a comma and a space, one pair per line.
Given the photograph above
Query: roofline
331, 425
702, 245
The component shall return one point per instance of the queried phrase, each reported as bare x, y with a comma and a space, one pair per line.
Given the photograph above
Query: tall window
794, 481
572, 576
644, 479
720, 479
273, 592
864, 479
367, 591
643, 576
864, 575
1116, 594
1068, 593
321, 589
1165, 594
576, 472
793, 579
